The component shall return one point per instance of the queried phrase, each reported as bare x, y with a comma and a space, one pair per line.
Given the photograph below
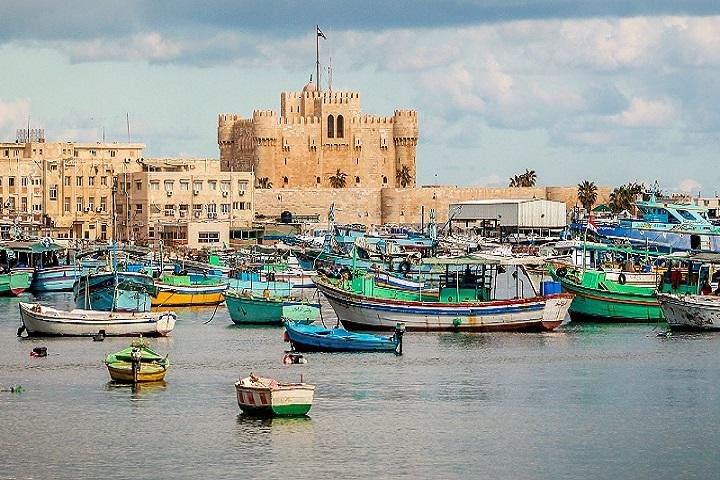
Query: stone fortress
316, 134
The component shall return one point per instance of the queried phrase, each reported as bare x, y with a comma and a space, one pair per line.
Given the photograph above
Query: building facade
186, 202
317, 134
63, 190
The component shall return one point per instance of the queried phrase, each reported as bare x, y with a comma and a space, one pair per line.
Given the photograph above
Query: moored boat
137, 363
15, 282
246, 308
114, 291
40, 320
189, 290
267, 397
464, 301
691, 312
314, 338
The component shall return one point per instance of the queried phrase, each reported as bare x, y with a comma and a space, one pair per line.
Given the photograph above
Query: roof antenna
329, 69
127, 121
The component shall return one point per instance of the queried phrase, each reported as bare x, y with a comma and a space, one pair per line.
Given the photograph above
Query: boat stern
556, 310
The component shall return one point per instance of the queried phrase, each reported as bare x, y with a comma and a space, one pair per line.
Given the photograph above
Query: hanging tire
405, 267
561, 272
622, 279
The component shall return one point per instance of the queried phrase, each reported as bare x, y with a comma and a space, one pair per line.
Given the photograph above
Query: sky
607, 91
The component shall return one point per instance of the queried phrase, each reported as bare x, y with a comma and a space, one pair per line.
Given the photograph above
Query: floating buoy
664, 333
293, 358
39, 352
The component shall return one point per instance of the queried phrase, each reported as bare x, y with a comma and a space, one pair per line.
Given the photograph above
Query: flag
591, 225
320, 33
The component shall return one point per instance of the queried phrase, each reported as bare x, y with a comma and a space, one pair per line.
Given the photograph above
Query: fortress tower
317, 134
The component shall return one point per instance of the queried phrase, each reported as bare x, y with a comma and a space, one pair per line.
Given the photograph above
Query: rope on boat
213, 315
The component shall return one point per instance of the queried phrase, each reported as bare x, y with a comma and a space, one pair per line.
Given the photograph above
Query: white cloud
13, 115
647, 113
688, 185
150, 46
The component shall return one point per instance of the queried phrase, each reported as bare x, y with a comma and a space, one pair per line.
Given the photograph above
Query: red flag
591, 225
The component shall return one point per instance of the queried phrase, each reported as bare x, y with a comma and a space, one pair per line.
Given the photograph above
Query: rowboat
137, 363
247, 308
15, 282
189, 290
267, 397
40, 320
313, 338
477, 299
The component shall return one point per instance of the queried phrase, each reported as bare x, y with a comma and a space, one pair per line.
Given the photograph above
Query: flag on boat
320, 33
591, 225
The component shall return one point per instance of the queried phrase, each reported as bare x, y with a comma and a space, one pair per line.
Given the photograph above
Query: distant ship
666, 226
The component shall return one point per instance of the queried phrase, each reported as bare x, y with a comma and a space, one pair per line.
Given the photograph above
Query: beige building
317, 133
61, 189
186, 202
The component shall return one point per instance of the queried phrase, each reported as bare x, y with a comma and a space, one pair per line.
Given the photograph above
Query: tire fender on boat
622, 279
561, 272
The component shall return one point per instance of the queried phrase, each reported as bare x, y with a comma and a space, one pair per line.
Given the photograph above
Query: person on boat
706, 289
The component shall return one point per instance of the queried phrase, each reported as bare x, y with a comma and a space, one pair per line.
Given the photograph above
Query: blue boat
314, 338
58, 279
115, 292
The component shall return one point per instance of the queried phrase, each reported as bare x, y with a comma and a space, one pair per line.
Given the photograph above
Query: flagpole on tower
318, 34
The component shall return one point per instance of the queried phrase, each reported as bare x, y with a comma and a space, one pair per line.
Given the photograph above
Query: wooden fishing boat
15, 282
691, 312
314, 338
40, 320
189, 290
267, 397
247, 308
114, 291
137, 363
477, 299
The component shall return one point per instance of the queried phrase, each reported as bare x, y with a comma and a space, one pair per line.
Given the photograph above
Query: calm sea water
588, 401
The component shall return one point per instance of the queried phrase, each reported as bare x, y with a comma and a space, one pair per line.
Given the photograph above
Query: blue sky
607, 91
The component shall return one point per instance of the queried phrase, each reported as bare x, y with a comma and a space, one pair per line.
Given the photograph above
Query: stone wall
398, 205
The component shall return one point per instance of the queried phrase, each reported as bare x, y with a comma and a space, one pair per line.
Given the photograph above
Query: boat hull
101, 292
121, 372
691, 312
187, 297
44, 321
367, 313
309, 338
57, 279
291, 401
15, 282
260, 311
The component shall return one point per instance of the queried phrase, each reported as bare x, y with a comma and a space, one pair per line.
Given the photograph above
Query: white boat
691, 312
40, 320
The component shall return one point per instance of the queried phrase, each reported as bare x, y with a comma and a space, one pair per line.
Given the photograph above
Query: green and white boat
267, 397
599, 299
15, 282
248, 309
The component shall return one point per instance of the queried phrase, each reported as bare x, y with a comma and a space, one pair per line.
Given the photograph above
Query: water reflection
138, 391
248, 424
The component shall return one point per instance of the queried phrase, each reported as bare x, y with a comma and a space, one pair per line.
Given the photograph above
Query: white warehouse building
509, 215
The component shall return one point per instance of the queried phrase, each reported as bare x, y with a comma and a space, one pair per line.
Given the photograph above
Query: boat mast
114, 247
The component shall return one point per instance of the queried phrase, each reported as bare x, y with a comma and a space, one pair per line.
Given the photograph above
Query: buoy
39, 352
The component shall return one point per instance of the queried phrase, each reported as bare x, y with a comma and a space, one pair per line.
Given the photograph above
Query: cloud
13, 115
151, 47
688, 185
647, 113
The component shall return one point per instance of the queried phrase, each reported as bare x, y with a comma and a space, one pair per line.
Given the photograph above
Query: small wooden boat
313, 338
15, 282
246, 308
691, 312
267, 397
189, 290
137, 363
40, 320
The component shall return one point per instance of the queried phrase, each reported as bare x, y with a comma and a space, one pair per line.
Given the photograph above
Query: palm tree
621, 198
338, 180
264, 182
587, 194
526, 179
403, 176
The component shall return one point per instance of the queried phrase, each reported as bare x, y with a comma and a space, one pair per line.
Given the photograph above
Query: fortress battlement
299, 120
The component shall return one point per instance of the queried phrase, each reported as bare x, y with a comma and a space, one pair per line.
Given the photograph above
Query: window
75, 153
23, 204
11, 181
197, 207
103, 181
53, 192
66, 205
242, 185
357, 180
212, 184
169, 210
184, 207
384, 180
37, 181
317, 180
197, 186
212, 208
235, 205
225, 208
112, 153
103, 232
225, 185
154, 186
78, 181
66, 182
209, 237
24, 181
138, 208
330, 127
7, 152
184, 185
93, 153
79, 204
285, 180
37, 207
340, 126
103, 203
169, 185
138, 185
91, 203
119, 209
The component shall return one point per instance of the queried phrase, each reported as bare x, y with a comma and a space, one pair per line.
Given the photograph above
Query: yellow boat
189, 290
137, 363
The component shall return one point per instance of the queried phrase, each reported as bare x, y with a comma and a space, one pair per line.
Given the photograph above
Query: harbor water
587, 401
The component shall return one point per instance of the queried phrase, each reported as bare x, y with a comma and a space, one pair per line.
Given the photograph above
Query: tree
403, 176
338, 180
587, 194
621, 198
527, 179
264, 182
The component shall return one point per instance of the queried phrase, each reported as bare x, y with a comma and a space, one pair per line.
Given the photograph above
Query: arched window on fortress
285, 180
384, 180
340, 126
357, 180
331, 127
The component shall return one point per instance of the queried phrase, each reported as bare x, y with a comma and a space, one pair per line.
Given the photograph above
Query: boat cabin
33, 254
